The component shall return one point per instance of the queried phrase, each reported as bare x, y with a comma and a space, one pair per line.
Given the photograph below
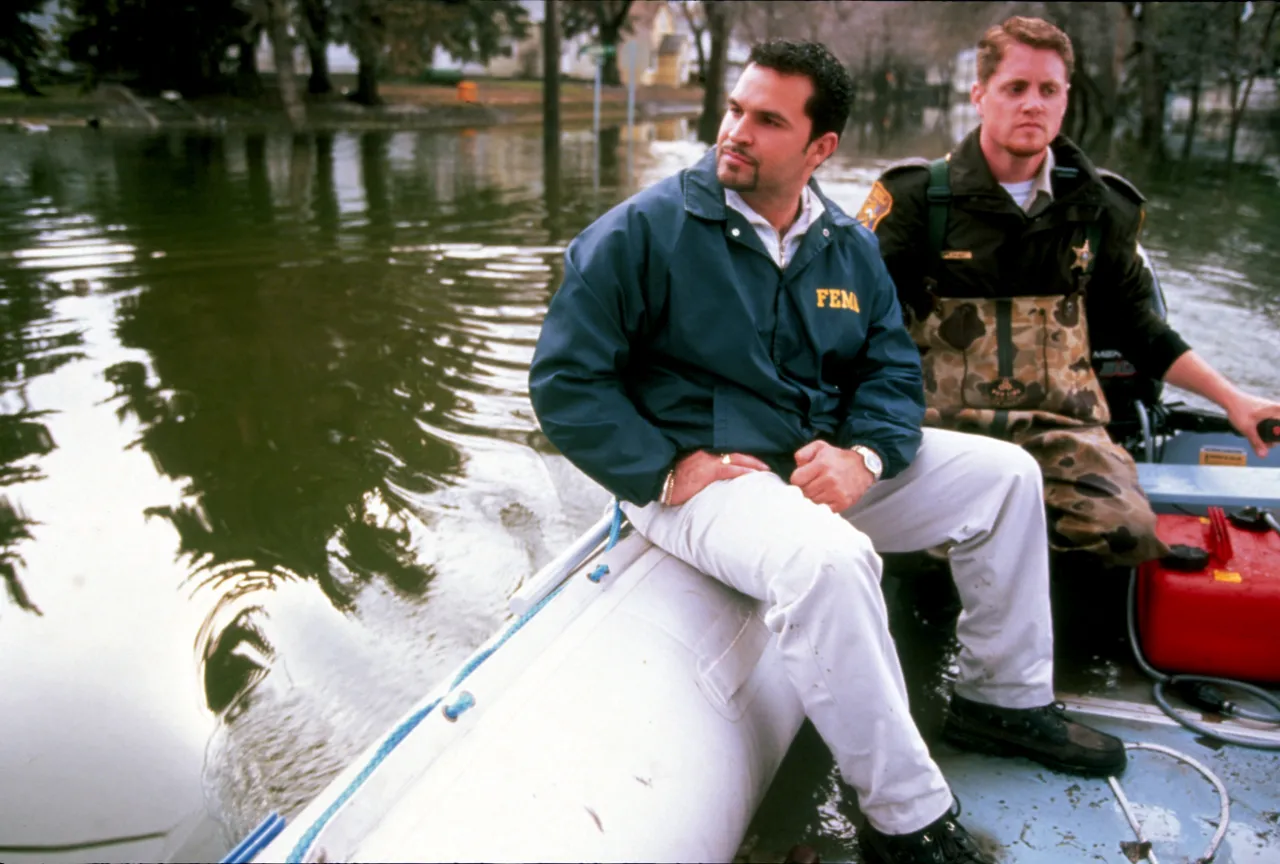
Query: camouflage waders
1020, 369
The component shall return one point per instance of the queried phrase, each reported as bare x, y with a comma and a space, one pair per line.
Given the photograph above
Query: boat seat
1196, 487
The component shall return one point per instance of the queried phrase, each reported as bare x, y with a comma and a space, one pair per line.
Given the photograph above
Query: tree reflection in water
309, 407
32, 343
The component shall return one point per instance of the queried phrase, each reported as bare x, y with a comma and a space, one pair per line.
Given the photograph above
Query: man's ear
823, 146
976, 92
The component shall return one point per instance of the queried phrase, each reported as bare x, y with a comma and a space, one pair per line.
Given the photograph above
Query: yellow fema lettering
834, 298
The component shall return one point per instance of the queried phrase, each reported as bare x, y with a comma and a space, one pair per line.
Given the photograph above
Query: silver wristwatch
871, 459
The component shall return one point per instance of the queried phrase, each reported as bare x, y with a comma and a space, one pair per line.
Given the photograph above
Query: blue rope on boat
615, 528
254, 842
464, 701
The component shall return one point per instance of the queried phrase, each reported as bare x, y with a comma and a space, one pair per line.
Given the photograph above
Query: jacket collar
704, 196
1073, 174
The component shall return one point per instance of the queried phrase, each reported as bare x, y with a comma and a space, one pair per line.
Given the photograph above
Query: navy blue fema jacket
675, 331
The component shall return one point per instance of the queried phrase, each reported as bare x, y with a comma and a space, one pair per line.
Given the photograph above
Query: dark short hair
832, 97
1032, 32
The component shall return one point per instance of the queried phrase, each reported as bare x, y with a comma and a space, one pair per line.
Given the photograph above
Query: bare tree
315, 31
691, 10
1249, 55
608, 19
274, 17
719, 17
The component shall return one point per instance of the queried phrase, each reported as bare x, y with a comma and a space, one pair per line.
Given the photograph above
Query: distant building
663, 55
663, 48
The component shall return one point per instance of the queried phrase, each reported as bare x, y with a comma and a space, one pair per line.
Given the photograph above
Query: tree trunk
1239, 105
697, 29
610, 19
315, 16
1111, 20
1152, 87
367, 41
282, 51
713, 86
551, 81
1193, 119
26, 82
1233, 125
609, 74
367, 79
248, 81
318, 82
551, 116
703, 70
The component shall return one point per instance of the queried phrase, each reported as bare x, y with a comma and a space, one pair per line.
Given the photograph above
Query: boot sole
979, 744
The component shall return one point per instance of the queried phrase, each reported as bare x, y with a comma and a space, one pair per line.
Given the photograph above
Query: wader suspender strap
939, 197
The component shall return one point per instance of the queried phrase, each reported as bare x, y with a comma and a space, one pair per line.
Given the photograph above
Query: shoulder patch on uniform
876, 207
1121, 185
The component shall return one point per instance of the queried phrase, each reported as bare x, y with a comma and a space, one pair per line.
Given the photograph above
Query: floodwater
269, 468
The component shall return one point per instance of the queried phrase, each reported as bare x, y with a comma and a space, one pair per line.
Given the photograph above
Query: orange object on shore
466, 91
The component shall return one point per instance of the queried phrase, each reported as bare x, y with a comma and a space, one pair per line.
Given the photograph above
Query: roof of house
672, 43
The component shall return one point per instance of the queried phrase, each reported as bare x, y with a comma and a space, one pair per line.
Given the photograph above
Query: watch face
871, 460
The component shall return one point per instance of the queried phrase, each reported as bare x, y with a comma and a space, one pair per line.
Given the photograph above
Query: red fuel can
1222, 618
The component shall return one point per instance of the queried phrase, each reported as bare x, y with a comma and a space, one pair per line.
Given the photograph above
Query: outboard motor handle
1269, 430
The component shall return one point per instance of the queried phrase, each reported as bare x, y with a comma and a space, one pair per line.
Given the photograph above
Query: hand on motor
1245, 413
832, 476
700, 469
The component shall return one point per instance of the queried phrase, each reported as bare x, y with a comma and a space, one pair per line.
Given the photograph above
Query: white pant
820, 577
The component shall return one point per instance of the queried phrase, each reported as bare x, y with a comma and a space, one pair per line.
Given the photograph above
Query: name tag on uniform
957, 255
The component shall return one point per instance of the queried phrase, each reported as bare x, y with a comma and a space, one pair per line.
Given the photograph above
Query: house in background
664, 52
525, 57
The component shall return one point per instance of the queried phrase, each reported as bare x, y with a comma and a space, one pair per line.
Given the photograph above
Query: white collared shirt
781, 250
1026, 192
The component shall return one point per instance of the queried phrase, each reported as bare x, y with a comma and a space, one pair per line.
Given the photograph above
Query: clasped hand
825, 474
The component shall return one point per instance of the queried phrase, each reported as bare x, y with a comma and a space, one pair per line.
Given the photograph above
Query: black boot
943, 842
1043, 734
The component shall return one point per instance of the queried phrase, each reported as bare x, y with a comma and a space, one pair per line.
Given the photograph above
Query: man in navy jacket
727, 356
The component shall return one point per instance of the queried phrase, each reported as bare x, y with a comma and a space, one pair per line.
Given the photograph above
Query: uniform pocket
984, 354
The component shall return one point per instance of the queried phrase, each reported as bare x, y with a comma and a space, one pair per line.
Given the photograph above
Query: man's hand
1245, 413
832, 476
700, 469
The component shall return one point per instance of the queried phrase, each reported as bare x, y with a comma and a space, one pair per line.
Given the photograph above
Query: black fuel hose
1201, 690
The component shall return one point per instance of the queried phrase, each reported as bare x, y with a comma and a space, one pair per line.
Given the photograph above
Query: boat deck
1020, 811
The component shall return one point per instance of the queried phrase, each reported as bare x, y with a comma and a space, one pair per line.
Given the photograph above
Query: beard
735, 175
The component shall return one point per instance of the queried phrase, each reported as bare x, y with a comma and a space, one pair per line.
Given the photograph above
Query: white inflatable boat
636, 712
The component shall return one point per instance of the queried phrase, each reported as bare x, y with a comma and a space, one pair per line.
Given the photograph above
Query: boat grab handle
558, 569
